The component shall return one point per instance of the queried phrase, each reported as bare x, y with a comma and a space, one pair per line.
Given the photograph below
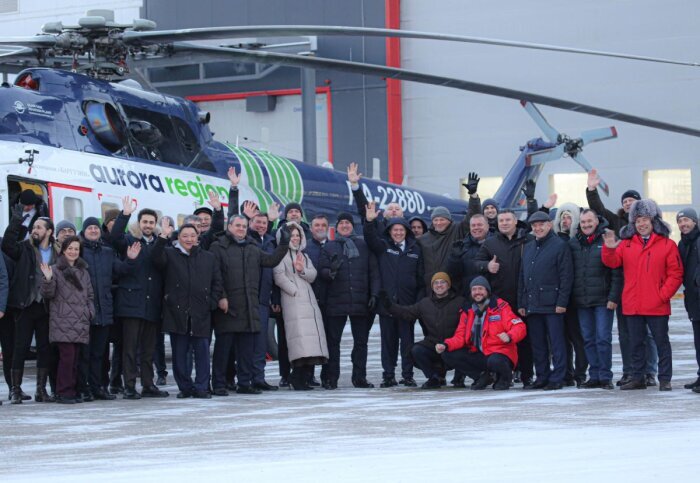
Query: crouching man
486, 339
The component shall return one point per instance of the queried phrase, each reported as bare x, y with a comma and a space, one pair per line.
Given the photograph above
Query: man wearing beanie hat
103, 266
401, 270
652, 272
489, 208
352, 275
294, 212
437, 243
64, 229
616, 221
546, 278
689, 248
486, 339
438, 314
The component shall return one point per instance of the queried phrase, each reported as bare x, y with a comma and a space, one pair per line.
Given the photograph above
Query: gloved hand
372, 303
286, 235
17, 211
336, 262
384, 299
528, 189
457, 248
473, 183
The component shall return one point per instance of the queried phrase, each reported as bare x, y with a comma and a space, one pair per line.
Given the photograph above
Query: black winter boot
41, 395
16, 375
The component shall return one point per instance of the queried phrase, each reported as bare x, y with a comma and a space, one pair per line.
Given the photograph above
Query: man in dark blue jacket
139, 297
401, 271
353, 285
104, 266
689, 248
546, 278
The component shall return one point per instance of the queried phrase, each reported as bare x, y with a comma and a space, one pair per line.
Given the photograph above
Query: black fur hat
645, 207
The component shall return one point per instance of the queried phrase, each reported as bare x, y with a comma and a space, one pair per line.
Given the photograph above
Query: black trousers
576, 360
91, 359
474, 363
282, 350
32, 321
7, 344
526, 360
428, 361
116, 336
223, 350
360, 326
658, 324
181, 345
396, 335
242, 344
159, 352
139, 341
696, 340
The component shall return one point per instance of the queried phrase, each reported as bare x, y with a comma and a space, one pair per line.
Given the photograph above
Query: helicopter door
72, 203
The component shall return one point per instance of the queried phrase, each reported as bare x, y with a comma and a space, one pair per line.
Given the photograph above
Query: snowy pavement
363, 435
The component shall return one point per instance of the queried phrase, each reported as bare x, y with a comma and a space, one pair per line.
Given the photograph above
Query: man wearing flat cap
546, 279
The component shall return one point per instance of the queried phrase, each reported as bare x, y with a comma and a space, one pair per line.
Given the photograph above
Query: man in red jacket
652, 272
485, 340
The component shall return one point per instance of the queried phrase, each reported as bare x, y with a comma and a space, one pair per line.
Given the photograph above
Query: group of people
498, 300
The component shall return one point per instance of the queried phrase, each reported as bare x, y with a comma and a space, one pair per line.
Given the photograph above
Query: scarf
478, 323
349, 248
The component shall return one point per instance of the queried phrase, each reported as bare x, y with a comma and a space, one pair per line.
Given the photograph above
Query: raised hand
46, 270
551, 201
493, 265
214, 200
273, 212
233, 177
18, 211
371, 212
250, 209
133, 251
166, 228
128, 205
299, 263
285, 235
593, 179
473, 183
609, 239
353, 174
528, 189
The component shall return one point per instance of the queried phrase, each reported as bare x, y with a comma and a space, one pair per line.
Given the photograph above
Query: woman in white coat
306, 338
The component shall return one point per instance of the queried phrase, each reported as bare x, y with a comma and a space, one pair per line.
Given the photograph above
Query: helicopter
78, 130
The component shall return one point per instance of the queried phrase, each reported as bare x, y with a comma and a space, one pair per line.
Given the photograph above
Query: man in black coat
103, 266
353, 284
401, 269
546, 278
191, 292
461, 265
238, 322
439, 316
596, 293
689, 248
32, 318
139, 298
499, 258
617, 221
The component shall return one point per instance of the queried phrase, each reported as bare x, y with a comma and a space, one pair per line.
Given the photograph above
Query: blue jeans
547, 333
652, 355
596, 327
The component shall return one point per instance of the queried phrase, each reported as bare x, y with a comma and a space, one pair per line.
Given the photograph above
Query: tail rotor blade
581, 160
551, 133
595, 135
545, 156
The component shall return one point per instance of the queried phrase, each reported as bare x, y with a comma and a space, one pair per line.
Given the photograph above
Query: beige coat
303, 323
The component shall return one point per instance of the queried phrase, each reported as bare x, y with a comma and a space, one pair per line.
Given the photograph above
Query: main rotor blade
38, 41
301, 30
408, 75
551, 133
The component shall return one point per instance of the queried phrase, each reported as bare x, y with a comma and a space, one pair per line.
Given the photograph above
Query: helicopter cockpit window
160, 137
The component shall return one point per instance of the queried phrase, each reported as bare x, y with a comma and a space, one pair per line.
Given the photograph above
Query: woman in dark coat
191, 291
67, 287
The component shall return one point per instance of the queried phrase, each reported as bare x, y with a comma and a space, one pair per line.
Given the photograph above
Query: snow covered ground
352, 434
